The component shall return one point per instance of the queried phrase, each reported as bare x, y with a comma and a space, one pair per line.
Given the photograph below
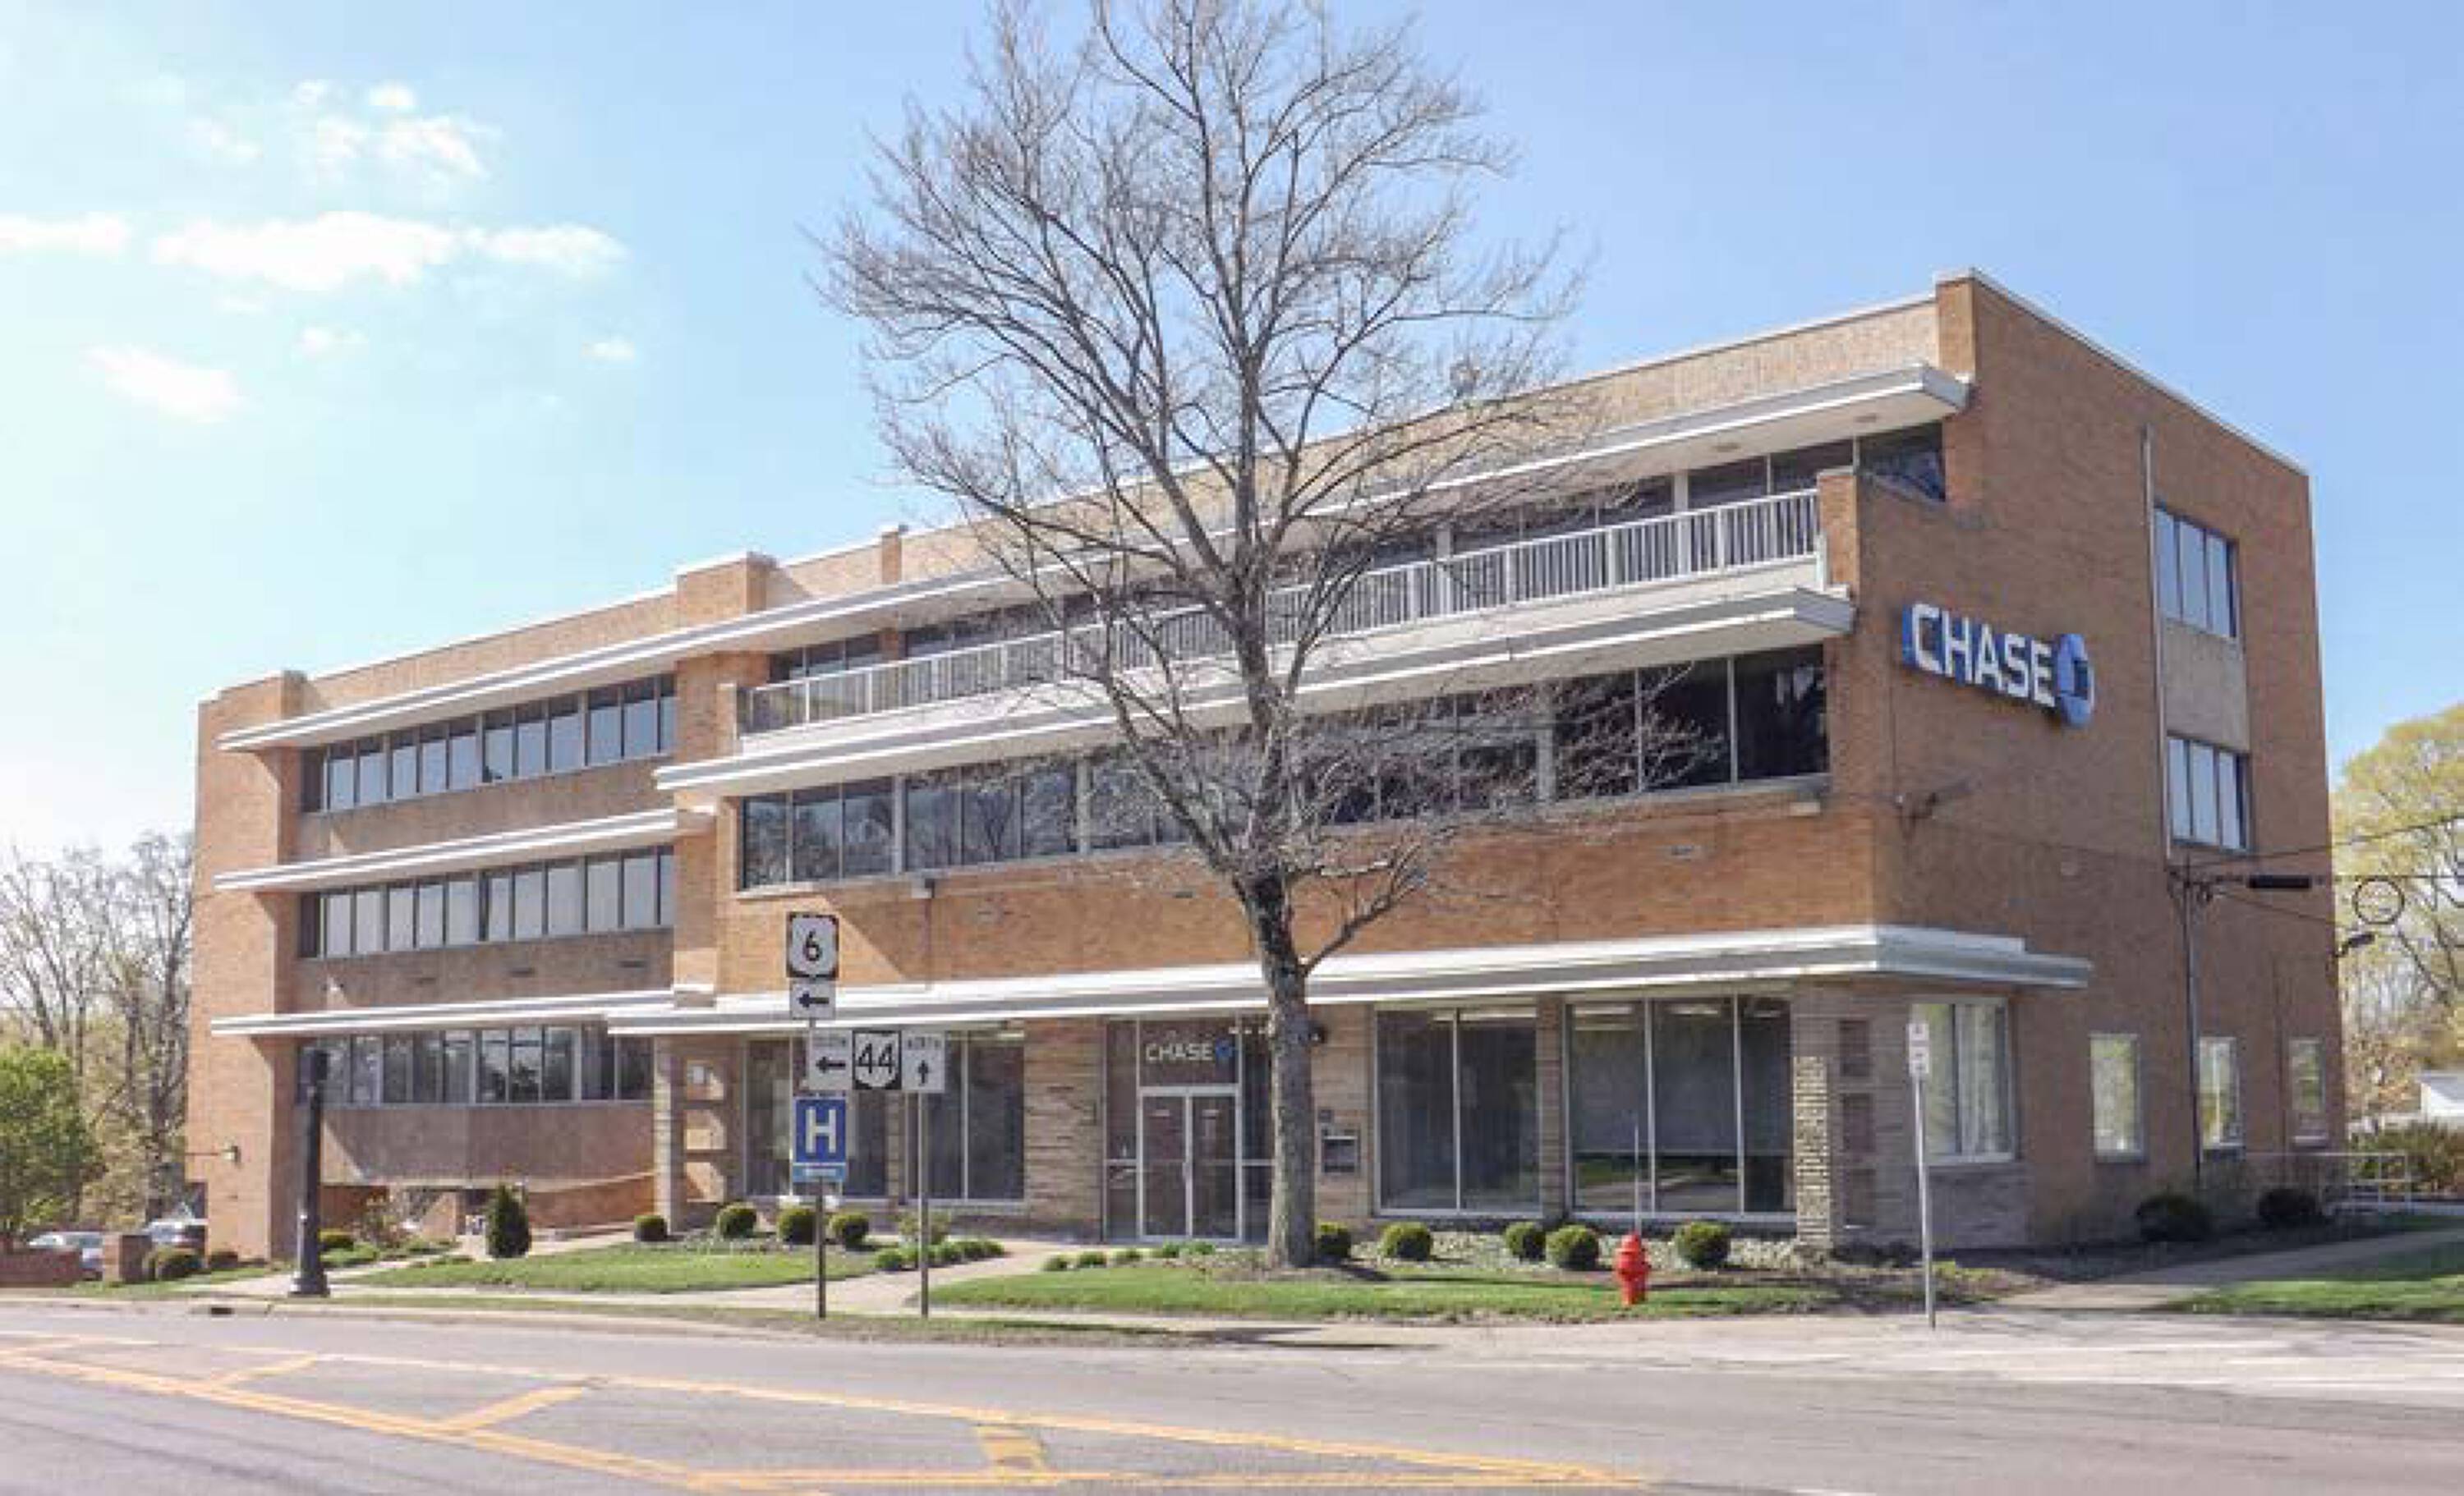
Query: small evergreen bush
736, 1223
911, 1226
977, 1248
650, 1227
1198, 1249
2287, 1208
1703, 1244
1527, 1241
849, 1228
1167, 1251
509, 1224
2171, 1215
1577, 1248
893, 1259
1407, 1241
171, 1263
331, 1240
1092, 1258
1059, 1262
1334, 1242
1126, 1256
796, 1224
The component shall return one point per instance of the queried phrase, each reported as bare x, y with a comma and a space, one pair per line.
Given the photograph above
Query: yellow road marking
1018, 1459
511, 1408
248, 1374
1012, 1449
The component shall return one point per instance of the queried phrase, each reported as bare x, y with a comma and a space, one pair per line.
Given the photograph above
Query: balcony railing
1670, 548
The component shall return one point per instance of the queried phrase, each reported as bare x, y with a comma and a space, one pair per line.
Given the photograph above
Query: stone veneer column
1813, 1059
1065, 1140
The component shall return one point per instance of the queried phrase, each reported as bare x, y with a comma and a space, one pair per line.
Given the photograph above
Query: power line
2438, 823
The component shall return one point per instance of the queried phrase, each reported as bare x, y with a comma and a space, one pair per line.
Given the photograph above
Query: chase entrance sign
2051, 674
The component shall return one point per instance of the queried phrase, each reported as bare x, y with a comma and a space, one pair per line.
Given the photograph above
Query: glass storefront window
1692, 1095
1458, 1110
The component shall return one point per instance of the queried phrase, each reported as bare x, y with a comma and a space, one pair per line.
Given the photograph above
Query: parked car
87, 1244
178, 1231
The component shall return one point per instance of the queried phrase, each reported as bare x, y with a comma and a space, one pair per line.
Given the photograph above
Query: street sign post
813, 965
829, 1061
818, 1152
1919, 1072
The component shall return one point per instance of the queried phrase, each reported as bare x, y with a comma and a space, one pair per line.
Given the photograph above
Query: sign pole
924, 1216
821, 1233
1920, 1066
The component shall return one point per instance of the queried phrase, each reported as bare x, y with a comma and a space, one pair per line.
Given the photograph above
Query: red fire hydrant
1632, 1271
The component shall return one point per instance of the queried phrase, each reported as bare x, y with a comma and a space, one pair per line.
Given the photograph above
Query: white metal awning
579, 1007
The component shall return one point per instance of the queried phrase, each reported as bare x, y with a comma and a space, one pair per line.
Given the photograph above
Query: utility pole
2192, 893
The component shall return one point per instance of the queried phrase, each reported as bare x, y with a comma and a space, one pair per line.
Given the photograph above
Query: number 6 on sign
812, 947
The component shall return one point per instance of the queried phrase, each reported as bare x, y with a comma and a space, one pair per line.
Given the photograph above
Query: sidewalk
2151, 1290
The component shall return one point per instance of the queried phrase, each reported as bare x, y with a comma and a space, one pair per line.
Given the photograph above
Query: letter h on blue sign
821, 1131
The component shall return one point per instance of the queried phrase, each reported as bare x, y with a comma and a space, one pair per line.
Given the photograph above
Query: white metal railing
1672, 547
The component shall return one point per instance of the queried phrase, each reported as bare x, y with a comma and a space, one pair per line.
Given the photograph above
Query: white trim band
492, 1013
609, 834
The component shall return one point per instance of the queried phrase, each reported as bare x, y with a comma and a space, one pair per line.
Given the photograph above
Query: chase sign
2053, 674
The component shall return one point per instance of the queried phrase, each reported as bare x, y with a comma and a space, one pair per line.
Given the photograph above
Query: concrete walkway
2150, 1290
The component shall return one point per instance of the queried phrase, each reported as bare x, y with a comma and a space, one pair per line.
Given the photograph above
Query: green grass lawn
628, 1267
2426, 1285
1434, 1293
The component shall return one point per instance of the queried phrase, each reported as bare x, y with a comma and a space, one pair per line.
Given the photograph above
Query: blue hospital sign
2054, 673
820, 1131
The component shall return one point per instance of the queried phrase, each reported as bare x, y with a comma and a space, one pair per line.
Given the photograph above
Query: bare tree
56, 966
152, 936
1187, 315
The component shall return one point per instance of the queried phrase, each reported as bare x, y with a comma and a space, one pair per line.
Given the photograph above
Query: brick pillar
1814, 1044
1064, 1144
667, 1141
1550, 1062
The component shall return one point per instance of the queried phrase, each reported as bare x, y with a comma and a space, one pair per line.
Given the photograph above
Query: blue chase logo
2055, 674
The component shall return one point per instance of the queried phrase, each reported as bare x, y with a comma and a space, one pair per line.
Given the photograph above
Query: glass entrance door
1189, 1175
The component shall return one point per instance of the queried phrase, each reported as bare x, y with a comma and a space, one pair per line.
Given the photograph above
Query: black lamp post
309, 1280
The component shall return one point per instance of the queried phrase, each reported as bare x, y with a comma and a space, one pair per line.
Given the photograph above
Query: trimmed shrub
1092, 1258
1407, 1241
977, 1248
1334, 1242
1059, 1262
1703, 1244
1168, 1251
1577, 1248
736, 1223
893, 1259
509, 1224
1126, 1255
946, 1254
330, 1240
1527, 1241
2287, 1208
171, 1263
2171, 1215
221, 1259
651, 1226
2434, 1156
796, 1224
1198, 1249
911, 1226
849, 1228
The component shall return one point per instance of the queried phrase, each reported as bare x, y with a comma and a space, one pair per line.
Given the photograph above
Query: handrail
1670, 547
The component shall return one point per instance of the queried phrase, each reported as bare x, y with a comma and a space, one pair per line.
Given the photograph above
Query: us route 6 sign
812, 947
923, 1056
874, 1061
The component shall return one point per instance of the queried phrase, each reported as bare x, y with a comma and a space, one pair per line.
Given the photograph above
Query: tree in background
2400, 826
1188, 317
94, 968
46, 1152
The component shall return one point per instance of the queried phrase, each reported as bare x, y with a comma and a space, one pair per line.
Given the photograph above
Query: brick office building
1989, 633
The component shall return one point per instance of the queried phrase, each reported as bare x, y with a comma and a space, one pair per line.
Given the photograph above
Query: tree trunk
1292, 1211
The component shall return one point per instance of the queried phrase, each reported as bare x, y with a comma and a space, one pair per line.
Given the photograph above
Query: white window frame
2201, 590
2138, 1148
2237, 1139
2191, 764
1946, 1072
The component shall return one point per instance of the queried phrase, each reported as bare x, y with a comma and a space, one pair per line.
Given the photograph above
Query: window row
1910, 458
2207, 792
1684, 1104
2196, 578
1758, 716
556, 735
591, 896
489, 1067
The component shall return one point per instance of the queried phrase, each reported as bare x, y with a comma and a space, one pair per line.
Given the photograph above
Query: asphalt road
168, 1398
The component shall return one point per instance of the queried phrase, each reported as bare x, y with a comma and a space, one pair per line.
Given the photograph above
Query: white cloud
92, 233
334, 145
183, 391
614, 351
315, 342
393, 97
312, 93
444, 147
332, 250
218, 141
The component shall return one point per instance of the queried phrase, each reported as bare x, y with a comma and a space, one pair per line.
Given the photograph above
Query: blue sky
327, 331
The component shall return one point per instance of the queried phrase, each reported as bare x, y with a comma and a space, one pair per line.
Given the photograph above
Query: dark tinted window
867, 828
1911, 458
1733, 483
1781, 722
932, 823
1684, 733
1793, 471
1596, 749
765, 850
815, 835
1050, 812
